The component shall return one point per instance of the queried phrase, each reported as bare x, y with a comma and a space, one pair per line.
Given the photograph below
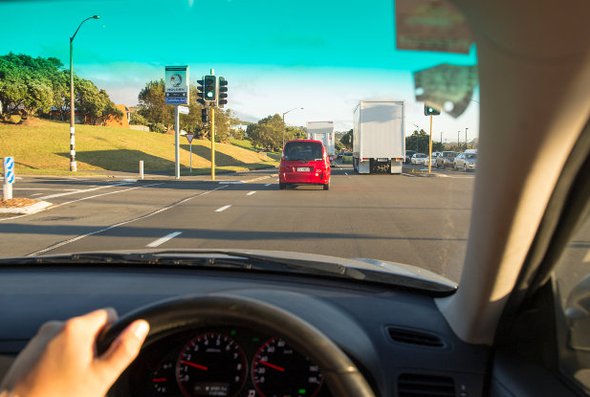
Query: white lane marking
162, 240
251, 193
268, 184
85, 198
36, 194
45, 188
83, 191
221, 209
406, 174
255, 179
139, 218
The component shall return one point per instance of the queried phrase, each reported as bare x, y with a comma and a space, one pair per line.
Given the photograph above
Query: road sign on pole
183, 109
176, 84
9, 177
189, 137
177, 142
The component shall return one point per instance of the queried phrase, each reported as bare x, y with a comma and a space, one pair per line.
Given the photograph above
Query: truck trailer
323, 131
378, 138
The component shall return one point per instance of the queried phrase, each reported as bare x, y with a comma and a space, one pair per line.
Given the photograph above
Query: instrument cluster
225, 362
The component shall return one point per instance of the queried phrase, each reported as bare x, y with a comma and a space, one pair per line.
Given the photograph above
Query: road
402, 218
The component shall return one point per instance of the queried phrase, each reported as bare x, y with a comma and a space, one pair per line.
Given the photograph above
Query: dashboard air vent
414, 337
420, 385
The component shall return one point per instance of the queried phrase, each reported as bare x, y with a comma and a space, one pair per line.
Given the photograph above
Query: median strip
162, 240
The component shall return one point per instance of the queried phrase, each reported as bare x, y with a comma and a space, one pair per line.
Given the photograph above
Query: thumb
122, 351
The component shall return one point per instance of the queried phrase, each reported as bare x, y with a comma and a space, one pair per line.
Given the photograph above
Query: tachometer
211, 365
280, 371
163, 380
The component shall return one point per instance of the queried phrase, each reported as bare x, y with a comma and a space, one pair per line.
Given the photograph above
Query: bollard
141, 169
8, 173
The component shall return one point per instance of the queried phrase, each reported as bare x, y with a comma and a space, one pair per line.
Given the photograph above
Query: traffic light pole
430, 147
212, 143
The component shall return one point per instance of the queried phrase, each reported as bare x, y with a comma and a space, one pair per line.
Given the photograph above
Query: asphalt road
410, 219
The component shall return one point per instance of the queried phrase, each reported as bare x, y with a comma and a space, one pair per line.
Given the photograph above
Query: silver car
465, 161
446, 159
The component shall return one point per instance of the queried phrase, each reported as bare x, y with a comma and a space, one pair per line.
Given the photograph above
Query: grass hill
42, 147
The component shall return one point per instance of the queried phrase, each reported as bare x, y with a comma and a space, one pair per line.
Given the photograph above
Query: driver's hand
61, 360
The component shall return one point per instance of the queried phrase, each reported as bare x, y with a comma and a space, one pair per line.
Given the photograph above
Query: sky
277, 55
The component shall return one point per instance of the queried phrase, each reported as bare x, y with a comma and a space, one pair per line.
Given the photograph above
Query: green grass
243, 143
42, 147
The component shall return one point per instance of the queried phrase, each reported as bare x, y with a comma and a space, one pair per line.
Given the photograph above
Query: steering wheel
342, 376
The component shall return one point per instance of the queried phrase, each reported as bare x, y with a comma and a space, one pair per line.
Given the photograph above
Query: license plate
303, 169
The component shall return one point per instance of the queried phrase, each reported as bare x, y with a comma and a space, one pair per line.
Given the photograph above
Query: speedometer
211, 365
280, 371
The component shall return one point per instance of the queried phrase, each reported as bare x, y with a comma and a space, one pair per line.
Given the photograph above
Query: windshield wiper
266, 261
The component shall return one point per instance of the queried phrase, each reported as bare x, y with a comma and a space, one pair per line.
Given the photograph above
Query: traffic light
430, 111
222, 94
210, 88
201, 91
204, 116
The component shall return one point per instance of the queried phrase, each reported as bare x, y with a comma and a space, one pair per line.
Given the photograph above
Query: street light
284, 126
73, 166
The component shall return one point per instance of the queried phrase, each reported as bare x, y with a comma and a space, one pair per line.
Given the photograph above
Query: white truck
378, 138
323, 131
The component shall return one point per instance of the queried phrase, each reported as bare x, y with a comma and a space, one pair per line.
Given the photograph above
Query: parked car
435, 156
465, 161
419, 158
446, 159
304, 162
409, 154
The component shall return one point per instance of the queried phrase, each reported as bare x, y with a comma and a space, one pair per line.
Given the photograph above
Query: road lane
421, 221
89, 214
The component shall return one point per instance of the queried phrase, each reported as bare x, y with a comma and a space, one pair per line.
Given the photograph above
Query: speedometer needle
197, 366
273, 366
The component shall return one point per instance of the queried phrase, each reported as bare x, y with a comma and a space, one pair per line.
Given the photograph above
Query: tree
419, 141
152, 104
267, 133
138, 119
34, 85
346, 139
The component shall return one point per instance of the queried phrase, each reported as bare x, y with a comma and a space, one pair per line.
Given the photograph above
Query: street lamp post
73, 165
284, 126
466, 138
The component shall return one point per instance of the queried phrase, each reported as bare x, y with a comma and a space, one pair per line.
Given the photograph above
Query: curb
28, 210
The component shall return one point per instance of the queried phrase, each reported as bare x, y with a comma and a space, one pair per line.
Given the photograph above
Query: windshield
182, 110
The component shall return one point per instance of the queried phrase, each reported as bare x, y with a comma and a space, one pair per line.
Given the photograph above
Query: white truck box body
323, 131
378, 136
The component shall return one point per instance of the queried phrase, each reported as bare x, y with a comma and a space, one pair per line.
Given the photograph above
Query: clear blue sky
277, 55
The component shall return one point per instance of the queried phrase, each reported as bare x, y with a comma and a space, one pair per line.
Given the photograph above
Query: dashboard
396, 337
225, 362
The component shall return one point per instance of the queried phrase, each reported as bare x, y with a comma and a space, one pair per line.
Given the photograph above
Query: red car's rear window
306, 151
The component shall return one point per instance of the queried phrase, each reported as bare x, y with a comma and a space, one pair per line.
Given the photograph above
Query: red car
304, 162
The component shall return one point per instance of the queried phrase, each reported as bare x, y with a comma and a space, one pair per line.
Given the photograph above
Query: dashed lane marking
162, 240
221, 209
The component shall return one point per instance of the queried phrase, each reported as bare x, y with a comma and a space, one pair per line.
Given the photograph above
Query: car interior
518, 324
